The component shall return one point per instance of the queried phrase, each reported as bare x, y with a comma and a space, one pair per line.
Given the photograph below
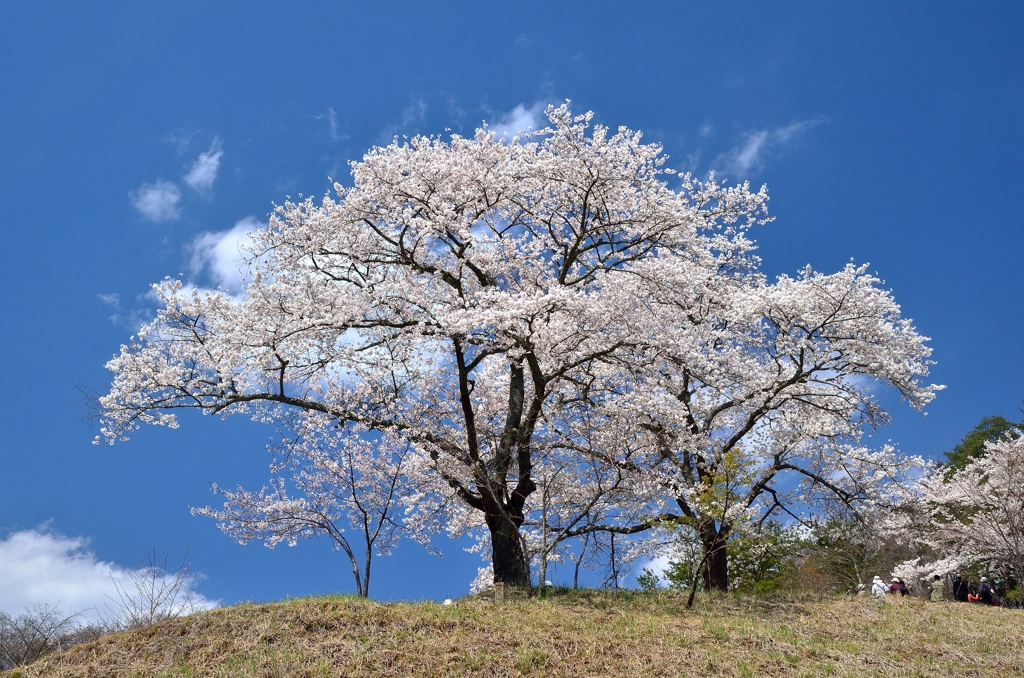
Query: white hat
877, 578
895, 578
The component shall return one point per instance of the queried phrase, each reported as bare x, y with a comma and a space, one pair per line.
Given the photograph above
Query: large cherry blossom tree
500, 305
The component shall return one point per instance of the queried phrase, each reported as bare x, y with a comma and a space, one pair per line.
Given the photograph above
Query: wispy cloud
415, 112
134, 318
182, 138
40, 567
157, 201
221, 255
784, 134
331, 116
201, 176
749, 155
456, 113
519, 119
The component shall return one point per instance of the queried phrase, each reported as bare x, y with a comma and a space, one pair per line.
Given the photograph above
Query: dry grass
570, 634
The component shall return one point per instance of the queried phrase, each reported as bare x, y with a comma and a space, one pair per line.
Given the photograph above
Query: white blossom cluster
968, 517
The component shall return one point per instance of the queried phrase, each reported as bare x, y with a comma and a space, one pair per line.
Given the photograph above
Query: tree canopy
546, 311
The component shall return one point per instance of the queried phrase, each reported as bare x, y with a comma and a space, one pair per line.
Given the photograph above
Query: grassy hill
585, 633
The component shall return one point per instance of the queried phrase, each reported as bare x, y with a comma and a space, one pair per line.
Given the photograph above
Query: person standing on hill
878, 587
938, 590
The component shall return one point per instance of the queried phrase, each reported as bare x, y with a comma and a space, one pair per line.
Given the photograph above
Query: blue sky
888, 133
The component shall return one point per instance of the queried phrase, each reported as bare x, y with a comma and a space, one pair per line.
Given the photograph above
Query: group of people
879, 588
982, 594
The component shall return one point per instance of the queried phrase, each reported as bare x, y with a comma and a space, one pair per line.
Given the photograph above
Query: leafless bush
152, 594
145, 596
40, 630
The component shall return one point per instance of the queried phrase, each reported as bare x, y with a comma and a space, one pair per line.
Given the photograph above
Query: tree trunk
366, 572
508, 559
579, 559
716, 564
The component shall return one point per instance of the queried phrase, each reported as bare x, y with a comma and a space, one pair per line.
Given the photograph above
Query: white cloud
456, 112
783, 134
741, 159
113, 300
332, 117
412, 114
222, 254
204, 170
39, 567
656, 565
519, 119
749, 155
135, 318
157, 202
182, 138
332, 120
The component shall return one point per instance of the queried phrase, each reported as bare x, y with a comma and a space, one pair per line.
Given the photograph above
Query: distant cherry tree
973, 517
481, 299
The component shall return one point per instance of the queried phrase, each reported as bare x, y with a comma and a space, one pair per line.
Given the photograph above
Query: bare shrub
150, 594
153, 593
38, 631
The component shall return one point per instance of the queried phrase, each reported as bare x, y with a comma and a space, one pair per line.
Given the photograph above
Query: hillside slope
570, 634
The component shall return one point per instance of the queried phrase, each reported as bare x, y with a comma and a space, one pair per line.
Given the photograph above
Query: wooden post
499, 592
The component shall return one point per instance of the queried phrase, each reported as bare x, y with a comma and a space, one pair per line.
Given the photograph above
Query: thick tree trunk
508, 559
716, 564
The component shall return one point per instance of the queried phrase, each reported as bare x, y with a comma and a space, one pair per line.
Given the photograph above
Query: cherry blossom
346, 483
971, 517
509, 308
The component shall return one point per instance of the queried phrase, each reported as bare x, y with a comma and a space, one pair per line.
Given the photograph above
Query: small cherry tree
346, 484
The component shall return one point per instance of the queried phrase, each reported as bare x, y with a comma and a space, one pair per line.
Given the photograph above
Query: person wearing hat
897, 587
938, 590
985, 591
878, 587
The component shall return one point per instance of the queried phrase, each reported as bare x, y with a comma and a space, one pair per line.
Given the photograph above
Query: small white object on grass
447, 601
